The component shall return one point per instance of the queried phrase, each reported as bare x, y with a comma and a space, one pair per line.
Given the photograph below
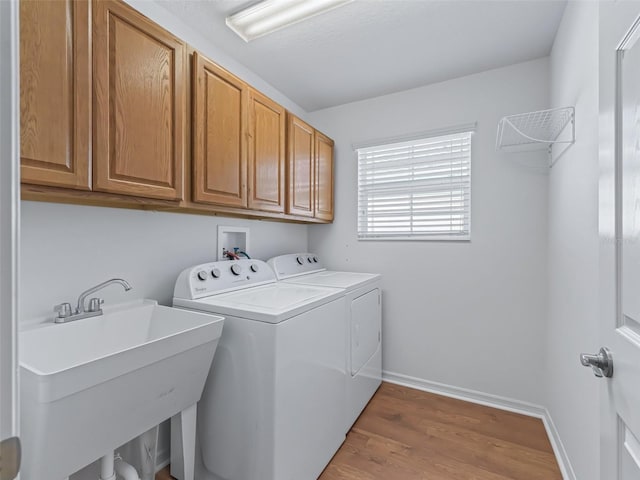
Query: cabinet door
219, 142
55, 93
300, 167
267, 129
324, 177
139, 122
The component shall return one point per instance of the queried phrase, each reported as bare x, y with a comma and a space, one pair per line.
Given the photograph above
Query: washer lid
272, 303
328, 278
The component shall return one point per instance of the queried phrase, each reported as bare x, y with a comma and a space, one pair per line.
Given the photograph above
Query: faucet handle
63, 310
95, 304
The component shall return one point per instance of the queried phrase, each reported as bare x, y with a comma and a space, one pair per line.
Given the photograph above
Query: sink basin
91, 385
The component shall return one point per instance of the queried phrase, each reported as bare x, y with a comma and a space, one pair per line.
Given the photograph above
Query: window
416, 190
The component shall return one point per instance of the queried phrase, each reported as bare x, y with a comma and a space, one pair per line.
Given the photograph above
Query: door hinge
10, 458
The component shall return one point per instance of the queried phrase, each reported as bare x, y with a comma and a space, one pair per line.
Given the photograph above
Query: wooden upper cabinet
309, 171
267, 131
103, 107
300, 167
55, 93
324, 177
139, 109
219, 135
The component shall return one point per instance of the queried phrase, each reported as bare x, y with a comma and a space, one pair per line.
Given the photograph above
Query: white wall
573, 393
66, 249
469, 315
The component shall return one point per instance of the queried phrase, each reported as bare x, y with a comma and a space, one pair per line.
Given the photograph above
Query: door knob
601, 362
10, 458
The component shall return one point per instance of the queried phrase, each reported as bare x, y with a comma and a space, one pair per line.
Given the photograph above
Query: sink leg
183, 444
107, 469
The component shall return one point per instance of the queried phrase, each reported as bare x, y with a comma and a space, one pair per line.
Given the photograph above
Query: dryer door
365, 329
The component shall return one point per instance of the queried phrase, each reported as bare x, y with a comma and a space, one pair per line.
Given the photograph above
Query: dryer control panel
220, 277
293, 264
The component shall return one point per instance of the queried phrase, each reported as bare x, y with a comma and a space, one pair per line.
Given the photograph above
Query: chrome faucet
65, 314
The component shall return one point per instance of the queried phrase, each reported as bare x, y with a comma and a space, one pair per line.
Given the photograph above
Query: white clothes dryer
277, 384
364, 321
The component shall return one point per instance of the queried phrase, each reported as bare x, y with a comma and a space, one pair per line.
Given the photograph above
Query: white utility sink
90, 385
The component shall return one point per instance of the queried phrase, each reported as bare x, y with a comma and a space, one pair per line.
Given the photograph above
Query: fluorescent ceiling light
271, 15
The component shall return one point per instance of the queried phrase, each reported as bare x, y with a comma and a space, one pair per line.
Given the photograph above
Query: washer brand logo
201, 289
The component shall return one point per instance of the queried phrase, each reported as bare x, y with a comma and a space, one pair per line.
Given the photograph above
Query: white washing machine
277, 384
364, 321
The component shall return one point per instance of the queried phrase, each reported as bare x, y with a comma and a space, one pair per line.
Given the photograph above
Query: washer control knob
215, 273
235, 269
315, 259
309, 260
254, 267
202, 275
300, 260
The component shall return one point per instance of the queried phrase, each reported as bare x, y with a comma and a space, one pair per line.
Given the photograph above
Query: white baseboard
495, 401
163, 458
473, 396
558, 447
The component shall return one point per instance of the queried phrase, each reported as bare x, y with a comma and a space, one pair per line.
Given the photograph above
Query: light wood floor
406, 434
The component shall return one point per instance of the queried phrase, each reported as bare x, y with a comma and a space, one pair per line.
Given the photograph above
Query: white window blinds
417, 189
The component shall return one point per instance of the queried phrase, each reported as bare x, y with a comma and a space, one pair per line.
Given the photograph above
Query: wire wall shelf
537, 130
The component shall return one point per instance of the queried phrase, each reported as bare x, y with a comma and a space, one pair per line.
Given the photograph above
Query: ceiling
369, 48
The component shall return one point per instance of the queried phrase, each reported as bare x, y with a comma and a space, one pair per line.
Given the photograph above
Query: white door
620, 237
9, 161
